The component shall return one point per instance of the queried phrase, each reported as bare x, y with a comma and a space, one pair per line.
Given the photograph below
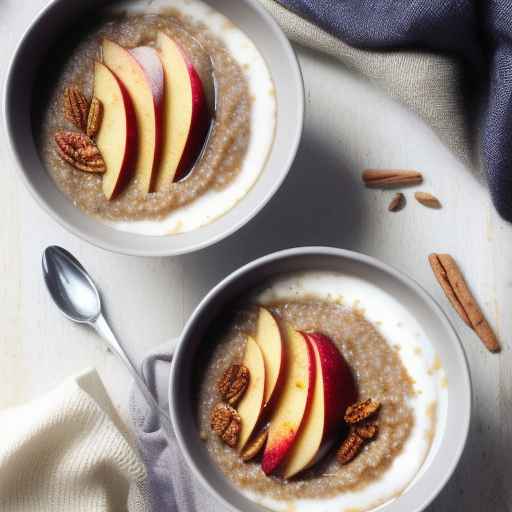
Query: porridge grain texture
379, 375
227, 144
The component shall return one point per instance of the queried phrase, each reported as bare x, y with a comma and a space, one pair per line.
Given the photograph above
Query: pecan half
390, 178
456, 290
367, 431
76, 107
255, 446
233, 383
94, 118
427, 199
360, 411
80, 151
225, 422
350, 448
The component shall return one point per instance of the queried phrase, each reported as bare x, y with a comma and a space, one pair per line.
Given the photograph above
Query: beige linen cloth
65, 452
429, 84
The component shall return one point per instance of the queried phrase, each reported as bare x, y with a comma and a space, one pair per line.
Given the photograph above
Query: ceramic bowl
452, 430
32, 51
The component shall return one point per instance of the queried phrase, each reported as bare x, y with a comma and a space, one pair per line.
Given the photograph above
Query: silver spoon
76, 295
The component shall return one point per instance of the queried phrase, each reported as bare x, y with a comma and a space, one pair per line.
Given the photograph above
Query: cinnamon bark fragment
397, 203
391, 178
428, 200
456, 290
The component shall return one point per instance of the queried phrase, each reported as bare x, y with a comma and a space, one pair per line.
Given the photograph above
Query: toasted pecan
94, 118
225, 422
367, 431
233, 383
76, 107
350, 448
360, 411
80, 151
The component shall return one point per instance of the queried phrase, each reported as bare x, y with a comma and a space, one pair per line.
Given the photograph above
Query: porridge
375, 425
165, 169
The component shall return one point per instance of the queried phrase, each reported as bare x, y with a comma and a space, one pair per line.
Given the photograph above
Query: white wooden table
349, 126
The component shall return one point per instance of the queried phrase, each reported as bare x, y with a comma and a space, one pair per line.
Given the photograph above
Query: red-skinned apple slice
270, 340
334, 391
117, 136
140, 71
186, 114
250, 406
292, 404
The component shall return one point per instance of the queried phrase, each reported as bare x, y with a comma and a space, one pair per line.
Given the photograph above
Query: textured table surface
349, 126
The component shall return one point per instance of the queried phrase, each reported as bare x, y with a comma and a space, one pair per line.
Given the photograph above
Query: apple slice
269, 339
140, 71
186, 116
292, 404
251, 404
117, 136
334, 391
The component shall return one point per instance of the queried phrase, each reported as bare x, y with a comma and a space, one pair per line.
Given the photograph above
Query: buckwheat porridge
230, 123
399, 374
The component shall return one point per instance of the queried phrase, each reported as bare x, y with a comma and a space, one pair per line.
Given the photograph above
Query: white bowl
452, 429
31, 53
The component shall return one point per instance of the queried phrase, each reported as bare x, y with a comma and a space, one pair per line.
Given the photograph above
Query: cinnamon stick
454, 286
390, 177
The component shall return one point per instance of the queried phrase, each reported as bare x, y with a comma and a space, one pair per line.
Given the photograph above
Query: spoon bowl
70, 286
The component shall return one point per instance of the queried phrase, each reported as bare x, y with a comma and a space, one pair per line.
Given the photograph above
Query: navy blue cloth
477, 31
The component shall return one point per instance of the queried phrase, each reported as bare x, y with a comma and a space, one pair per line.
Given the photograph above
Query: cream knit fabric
65, 453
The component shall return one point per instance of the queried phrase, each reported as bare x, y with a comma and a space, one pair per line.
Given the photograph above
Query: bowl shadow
320, 203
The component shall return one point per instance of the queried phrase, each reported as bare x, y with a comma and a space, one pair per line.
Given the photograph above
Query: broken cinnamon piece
454, 286
427, 199
397, 203
390, 177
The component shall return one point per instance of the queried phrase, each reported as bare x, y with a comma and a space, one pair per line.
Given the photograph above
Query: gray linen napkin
172, 486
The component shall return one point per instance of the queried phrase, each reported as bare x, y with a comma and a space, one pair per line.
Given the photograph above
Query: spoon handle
103, 329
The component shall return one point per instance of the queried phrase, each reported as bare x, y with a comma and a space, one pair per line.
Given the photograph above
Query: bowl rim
412, 284
145, 250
